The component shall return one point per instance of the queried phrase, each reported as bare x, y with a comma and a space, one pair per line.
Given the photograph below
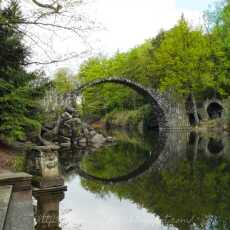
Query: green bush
128, 118
227, 112
18, 163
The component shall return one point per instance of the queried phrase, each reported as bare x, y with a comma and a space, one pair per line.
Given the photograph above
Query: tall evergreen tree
18, 91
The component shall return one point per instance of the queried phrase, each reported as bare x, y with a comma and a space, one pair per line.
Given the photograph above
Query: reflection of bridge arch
214, 148
147, 165
130, 176
166, 115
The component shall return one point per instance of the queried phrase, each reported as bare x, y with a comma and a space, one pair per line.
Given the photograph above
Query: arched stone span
214, 108
167, 115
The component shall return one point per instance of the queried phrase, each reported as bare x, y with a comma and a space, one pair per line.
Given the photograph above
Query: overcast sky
128, 23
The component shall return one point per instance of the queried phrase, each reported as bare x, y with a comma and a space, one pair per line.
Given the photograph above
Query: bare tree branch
56, 7
58, 60
55, 30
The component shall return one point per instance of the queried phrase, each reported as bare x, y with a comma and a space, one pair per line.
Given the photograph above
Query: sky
193, 5
128, 23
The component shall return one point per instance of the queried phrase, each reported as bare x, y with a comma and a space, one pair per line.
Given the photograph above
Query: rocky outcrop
71, 132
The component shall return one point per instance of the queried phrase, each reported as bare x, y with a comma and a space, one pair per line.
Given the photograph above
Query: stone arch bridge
167, 114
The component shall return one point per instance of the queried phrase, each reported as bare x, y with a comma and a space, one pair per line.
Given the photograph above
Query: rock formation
69, 131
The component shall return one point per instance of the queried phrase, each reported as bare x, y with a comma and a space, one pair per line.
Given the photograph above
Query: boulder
66, 116
98, 140
65, 145
65, 131
70, 109
86, 131
109, 139
50, 125
50, 136
64, 139
92, 133
82, 142
73, 121
74, 133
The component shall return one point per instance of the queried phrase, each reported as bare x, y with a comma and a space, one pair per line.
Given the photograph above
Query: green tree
182, 61
135, 64
63, 81
185, 194
188, 61
18, 88
218, 22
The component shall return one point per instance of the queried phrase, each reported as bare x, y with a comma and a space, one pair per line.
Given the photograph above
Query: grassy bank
11, 160
129, 118
126, 119
218, 125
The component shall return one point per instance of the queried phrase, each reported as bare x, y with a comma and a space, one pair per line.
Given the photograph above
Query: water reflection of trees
72, 162
193, 191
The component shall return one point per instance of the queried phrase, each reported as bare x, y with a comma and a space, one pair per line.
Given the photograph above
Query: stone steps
20, 215
5, 196
20, 181
16, 209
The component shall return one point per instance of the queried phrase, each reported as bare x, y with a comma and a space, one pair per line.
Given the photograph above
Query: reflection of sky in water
93, 212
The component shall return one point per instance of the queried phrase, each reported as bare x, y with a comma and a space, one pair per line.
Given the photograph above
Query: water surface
176, 180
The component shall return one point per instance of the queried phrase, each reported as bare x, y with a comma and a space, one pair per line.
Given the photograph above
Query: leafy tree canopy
184, 59
64, 81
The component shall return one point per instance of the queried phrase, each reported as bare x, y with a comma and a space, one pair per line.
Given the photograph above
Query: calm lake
176, 180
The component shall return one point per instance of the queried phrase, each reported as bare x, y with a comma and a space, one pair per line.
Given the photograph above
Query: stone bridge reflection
180, 163
170, 148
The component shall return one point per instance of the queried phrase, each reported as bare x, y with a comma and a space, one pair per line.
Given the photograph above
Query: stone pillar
44, 165
47, 213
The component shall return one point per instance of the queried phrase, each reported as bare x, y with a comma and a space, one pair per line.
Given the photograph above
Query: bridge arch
158, 102
214, 108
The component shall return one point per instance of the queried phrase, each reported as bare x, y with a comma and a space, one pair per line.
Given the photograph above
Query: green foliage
184, 194
108, 164
19, 163
63, 81
222, 32
129, 118
183, 60
18, 88
103, 99
227, 112
219, 24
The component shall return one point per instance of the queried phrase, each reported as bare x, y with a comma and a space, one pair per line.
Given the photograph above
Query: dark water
174, 180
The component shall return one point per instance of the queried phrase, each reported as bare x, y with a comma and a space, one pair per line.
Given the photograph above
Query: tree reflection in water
182, 178
187, 189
